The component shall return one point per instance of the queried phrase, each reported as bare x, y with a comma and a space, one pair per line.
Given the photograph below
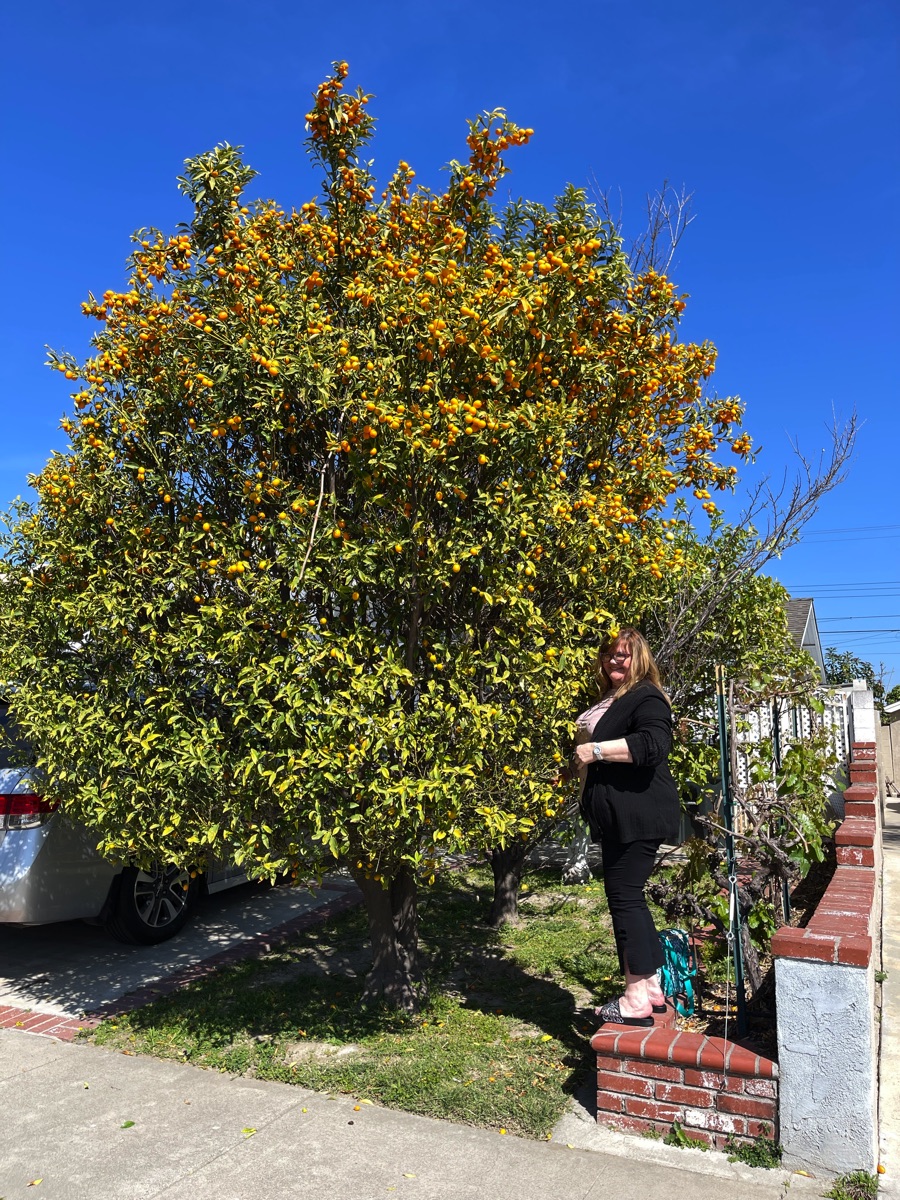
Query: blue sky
781, 119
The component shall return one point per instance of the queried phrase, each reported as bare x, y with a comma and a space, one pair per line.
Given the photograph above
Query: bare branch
668, 215
687, 632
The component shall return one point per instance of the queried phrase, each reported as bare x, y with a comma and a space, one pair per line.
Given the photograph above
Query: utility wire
862, 583
853, 529
863, 617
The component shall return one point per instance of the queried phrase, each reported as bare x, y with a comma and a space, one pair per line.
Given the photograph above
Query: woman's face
616, 662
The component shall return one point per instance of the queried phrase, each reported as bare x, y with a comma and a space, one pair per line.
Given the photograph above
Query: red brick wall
839, 929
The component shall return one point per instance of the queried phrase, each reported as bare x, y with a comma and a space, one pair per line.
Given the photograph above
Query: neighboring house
804, 629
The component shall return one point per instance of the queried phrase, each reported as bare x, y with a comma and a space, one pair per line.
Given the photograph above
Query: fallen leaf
408, 1175
248, 1130
35, 1182
547, 1038
367, 1101
126, 1124
86, 1086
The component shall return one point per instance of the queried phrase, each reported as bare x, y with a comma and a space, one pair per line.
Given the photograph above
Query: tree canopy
843, 666
352, 491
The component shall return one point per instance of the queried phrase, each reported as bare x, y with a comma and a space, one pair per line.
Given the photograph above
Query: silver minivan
51, 871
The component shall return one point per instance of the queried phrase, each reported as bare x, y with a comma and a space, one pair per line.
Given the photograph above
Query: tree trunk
507, 864
396, 977
577, 869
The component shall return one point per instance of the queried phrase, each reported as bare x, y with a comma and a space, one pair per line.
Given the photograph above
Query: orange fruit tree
352, 491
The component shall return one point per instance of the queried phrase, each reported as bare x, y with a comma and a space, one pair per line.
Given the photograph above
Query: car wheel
151, 906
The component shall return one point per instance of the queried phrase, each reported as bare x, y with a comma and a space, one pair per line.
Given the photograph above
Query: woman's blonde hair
643, 667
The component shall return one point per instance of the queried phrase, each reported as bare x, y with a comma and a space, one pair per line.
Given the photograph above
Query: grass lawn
502, 1042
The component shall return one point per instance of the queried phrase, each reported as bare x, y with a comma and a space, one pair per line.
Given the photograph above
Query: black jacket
631, 801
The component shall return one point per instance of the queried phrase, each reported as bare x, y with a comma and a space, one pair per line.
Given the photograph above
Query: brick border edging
65, 1028
52, 1025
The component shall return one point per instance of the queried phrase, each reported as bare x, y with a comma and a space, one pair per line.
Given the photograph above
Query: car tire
150, 906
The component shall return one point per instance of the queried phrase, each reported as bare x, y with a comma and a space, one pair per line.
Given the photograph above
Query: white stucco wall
865, 722
827, 1078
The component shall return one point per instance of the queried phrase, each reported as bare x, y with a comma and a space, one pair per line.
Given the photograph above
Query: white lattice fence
796, 723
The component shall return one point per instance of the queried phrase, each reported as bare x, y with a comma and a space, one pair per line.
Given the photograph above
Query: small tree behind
843, 666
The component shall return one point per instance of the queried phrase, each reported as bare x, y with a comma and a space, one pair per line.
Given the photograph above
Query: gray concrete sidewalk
201, 1134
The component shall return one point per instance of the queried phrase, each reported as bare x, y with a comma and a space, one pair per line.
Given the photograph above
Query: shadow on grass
513, 972
503, 1036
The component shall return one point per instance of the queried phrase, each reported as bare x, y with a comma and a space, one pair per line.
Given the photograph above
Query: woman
630, 802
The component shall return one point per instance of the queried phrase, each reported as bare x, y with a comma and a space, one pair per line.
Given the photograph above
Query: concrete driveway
71, 969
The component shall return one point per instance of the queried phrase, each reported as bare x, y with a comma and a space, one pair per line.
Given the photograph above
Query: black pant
626, 869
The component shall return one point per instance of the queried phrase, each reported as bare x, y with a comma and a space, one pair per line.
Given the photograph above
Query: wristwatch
598, 752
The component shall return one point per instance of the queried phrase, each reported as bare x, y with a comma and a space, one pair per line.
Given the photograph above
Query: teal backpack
678, 974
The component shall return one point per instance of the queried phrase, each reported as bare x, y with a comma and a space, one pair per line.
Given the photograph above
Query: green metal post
730, 855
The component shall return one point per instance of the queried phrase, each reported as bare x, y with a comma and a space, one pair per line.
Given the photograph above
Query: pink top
585, 723
584, 727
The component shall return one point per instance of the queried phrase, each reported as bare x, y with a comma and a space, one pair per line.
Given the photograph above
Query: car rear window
11, 754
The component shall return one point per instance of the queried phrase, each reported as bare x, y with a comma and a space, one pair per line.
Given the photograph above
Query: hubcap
160, 896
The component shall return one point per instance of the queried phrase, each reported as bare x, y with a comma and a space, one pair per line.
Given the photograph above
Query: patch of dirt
319, 1051
542, 901
809, 891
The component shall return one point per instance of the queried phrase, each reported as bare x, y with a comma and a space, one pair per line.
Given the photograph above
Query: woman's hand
616, 751
583, 756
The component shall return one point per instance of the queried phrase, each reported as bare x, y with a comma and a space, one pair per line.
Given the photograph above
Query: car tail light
22, 810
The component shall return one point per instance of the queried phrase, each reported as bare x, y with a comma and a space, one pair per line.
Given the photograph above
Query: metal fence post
734, 915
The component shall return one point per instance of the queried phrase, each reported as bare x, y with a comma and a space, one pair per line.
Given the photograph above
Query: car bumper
51, 873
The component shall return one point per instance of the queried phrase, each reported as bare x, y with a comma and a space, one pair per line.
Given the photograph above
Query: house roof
798, 616
804, 629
